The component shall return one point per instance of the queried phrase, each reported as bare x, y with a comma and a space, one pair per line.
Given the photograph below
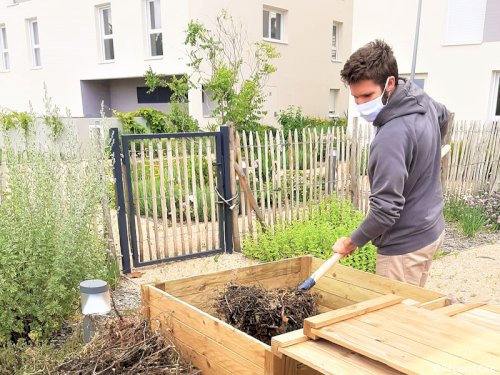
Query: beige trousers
412, 268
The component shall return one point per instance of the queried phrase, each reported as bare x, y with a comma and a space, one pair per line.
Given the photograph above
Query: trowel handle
329, 263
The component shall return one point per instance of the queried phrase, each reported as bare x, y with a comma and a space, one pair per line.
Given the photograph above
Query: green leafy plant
52, 117
471, 217
49, 239
17, 120
314, 235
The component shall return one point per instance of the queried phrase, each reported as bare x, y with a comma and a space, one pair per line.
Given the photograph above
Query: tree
228, 69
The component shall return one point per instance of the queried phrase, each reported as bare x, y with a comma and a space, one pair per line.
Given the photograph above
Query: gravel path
468, 270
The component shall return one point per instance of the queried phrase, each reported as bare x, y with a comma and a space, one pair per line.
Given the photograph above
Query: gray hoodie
406, 202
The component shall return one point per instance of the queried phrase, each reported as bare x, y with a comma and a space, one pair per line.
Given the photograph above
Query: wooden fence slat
163, 201
213, 210
304, 169
260, 166
268, 182
253, 167
278, 174
145, 196
288, 191
243, 196
187, 196
196, 211
321, 166
152, 176
135, 194
311, 168
173, 210
180, 195
297, 173
204, 196
247, 177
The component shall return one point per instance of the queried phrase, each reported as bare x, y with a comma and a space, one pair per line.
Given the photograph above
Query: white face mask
370, 110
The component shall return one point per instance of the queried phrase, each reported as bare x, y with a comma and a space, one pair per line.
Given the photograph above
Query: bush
314, 235
292, 119
471, 213
49, 240
490, 204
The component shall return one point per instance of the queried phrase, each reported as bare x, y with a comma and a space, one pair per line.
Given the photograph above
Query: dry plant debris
264, 313
127, 346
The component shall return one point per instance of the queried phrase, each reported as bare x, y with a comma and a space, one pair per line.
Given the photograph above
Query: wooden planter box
182, 310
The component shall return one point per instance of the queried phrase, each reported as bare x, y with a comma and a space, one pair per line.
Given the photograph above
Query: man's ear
391, 85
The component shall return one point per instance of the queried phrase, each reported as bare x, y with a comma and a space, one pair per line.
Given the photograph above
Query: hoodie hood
407, 99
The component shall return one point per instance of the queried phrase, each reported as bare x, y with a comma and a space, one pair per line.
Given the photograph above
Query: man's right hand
344, 246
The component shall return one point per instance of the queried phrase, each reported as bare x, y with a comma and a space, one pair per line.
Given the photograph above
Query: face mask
370, 110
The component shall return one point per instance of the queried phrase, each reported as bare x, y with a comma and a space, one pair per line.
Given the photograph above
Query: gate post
226, 191
120, 199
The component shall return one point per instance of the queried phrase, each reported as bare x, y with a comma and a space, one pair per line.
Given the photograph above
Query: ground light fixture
95, 300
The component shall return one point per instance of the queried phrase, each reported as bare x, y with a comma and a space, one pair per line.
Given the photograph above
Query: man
405, 220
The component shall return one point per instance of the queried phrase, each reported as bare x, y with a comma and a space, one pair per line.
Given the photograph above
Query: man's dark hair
374, 61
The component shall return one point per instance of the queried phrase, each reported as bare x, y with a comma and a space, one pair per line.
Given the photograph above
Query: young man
405, 220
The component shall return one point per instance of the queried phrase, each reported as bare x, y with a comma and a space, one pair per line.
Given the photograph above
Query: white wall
459, 76
70, 48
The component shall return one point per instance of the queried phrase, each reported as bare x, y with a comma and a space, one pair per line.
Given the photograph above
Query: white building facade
458, 59
90, 51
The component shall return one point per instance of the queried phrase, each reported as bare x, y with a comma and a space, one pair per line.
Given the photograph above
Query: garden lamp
96, 300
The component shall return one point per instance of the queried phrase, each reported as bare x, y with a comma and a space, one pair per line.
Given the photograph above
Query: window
465, 21
331, 102
159, 95
273, 24
495, 96
208, 103
155, 40
106, 33
36, 59
4, 49
335, 41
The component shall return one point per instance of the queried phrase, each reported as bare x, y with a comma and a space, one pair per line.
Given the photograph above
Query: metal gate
172, 193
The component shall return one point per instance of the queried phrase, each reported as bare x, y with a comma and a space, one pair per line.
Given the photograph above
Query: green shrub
471, 215
50, 240
314, 235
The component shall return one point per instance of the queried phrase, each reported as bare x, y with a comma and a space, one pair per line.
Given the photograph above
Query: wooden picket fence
288, 174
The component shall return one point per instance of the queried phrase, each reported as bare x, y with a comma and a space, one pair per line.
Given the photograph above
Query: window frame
333, 104
102, 33
150, 31
4, 50
337, 42
281, 12
495, 96
33, 45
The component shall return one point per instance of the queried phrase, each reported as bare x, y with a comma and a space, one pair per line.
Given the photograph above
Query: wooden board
411, 339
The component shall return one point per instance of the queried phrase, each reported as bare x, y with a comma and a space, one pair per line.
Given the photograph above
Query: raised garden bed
183, 309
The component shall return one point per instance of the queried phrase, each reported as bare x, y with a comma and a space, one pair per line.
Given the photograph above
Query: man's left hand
344, 246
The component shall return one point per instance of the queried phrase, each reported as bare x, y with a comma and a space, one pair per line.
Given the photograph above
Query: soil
467, 268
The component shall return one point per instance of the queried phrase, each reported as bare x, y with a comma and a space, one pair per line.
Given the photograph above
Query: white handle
326, 266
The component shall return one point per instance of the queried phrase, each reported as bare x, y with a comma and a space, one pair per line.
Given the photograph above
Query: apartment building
458, 59
90, 51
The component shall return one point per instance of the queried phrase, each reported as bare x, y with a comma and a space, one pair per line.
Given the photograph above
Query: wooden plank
153, 197
163, 201
187, 199
292, 176
435, 304
279, 151
402, 354
347, 290
252, 202
286, 212
202, 283
328, 358
247, 177
253, 168
232, 177
173, 210
304, 177
211, 345
219, 332
135, 194
196, 210
377, 283
458, 308
316, 194
348, 312
492, 308
443, 337
273, 183
481, 317
311, 168
287, 339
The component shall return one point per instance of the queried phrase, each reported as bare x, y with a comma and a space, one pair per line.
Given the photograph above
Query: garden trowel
316, 275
